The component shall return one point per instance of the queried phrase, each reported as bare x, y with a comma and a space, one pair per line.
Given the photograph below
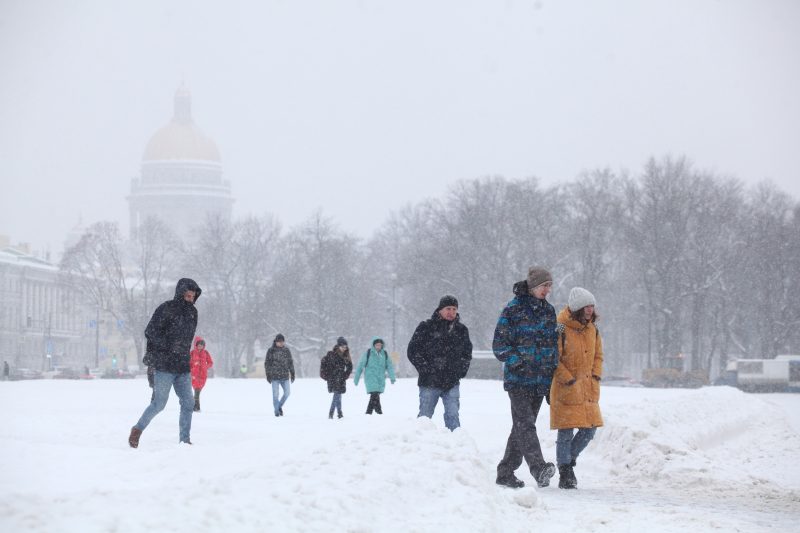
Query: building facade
181, 178
43, 321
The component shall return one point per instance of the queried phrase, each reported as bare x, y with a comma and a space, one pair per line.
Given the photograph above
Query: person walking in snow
575, 392
6, 371
441, 352
375, 364
169, 340
200, 361
335, 368
525, 341
279, 368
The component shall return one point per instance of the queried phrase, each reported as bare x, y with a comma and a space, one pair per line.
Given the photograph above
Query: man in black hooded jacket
169, 341
441, 352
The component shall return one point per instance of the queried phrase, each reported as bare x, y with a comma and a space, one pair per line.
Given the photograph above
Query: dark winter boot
330, 414
511, 481
340, 415
196, 405
133, 439
280, 411
566, 479
572, 475
543, 476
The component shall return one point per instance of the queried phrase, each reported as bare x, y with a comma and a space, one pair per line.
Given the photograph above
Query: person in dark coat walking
525, 340
441, 352
335, 368
279, 368
6, 371
169, 340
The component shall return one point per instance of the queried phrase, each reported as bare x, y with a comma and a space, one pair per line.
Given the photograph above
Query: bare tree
125, 278
772, 244
658, 226
319, 291
234, 263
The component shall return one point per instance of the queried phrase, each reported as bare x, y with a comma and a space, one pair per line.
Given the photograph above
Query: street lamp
649, 278
96, 325
394, 310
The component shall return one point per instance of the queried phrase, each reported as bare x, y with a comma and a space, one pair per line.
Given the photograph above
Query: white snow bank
667, 460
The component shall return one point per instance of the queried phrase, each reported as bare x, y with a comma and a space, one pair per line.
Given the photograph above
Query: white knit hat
579, 298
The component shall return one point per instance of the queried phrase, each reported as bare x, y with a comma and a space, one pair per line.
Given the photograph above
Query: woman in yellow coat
575, 391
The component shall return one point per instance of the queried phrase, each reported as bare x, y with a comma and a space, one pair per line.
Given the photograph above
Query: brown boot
133, 440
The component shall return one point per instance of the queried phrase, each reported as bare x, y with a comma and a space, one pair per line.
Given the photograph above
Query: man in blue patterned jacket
526, 341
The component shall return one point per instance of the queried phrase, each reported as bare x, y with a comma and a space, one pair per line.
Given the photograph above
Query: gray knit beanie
579, 298
538, 275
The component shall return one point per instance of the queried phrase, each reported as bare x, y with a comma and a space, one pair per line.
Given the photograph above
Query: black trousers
197, 399
374, 403
523, 442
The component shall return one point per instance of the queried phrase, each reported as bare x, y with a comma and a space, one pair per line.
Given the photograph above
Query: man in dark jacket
525, 340
169, 341
441, 352
279, 368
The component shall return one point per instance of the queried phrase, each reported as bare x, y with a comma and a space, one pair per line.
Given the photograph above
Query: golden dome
181, 139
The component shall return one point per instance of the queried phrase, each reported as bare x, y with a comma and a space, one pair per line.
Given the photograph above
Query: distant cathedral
181, 180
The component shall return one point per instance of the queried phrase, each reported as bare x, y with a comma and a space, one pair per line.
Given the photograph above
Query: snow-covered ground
667, 460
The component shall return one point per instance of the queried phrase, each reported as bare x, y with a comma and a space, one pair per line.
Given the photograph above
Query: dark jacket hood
521, 291
335, 350
187, 284
521, 288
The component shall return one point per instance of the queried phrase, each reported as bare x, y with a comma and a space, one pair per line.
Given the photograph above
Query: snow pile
677, 435
667, 460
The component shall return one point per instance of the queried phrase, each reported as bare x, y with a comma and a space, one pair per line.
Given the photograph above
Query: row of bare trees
682, 262
688, 268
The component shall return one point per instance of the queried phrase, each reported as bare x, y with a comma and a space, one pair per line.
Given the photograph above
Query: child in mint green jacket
375, 364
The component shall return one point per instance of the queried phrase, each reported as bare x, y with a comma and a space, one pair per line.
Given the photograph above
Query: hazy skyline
361, 108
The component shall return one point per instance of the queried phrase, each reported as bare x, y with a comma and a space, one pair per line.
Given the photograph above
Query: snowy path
667, 460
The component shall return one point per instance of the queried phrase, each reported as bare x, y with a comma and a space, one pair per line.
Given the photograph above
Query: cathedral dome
181, 139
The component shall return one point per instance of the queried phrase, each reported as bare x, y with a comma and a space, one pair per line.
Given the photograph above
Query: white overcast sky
363, 107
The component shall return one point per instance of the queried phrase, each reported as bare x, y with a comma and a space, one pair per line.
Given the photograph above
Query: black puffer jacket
171, 330
440, 351
278, 363
335, 368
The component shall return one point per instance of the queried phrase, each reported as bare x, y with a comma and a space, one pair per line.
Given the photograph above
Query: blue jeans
286, 385
568, 448
336, 403
162, 382
429, 397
